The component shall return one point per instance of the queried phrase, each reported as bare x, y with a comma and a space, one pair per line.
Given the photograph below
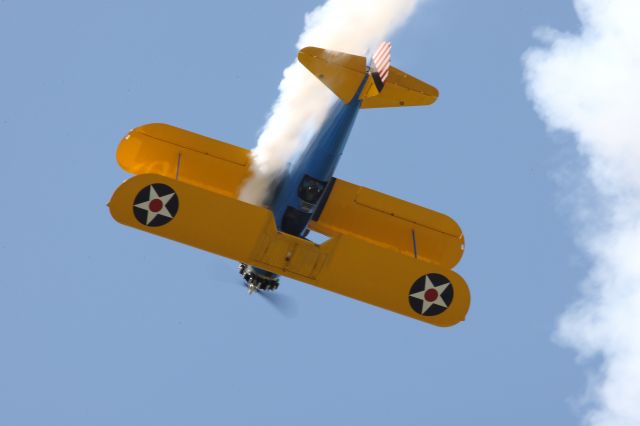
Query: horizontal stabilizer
341, 72
387, 86
401, 89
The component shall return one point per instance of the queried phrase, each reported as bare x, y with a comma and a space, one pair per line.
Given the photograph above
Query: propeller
285, 305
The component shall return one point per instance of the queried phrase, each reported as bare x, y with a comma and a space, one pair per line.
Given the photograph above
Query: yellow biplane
381, 250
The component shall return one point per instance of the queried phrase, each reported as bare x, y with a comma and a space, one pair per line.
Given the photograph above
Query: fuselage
299, 193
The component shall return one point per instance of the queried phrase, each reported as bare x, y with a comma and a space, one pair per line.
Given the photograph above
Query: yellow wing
345, 264
182, 155
391, 223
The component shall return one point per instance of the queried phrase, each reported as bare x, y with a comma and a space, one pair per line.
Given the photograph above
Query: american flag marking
382, 60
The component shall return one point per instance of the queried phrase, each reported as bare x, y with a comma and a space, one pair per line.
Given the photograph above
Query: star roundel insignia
155, 205
431, 294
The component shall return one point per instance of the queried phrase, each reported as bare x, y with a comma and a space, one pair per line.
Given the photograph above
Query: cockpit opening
310, 189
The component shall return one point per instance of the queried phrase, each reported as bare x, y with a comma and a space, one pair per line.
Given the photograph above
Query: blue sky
104, 325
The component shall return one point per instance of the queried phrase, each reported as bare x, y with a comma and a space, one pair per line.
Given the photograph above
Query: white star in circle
153, 195
428, 285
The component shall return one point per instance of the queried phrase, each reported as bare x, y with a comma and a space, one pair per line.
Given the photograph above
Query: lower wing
348, 264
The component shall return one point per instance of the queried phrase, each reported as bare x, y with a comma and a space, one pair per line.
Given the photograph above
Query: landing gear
256, 279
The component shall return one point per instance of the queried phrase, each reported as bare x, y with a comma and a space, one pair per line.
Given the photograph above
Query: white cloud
589, 85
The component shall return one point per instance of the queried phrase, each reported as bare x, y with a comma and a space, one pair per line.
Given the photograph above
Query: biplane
380, 250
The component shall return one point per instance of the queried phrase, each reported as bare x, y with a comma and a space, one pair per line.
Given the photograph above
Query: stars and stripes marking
155, 205
382, 60
431, 294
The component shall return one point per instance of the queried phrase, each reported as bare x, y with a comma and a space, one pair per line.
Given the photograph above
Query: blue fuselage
299, 193
302, 190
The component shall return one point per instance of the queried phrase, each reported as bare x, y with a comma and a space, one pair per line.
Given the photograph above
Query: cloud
352, 26
589, 85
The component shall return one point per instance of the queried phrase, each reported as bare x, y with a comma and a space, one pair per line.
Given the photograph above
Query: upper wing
390, 222
346, 264
185, 156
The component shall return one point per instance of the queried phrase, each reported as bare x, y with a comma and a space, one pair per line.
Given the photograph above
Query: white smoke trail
352, 26
589, 85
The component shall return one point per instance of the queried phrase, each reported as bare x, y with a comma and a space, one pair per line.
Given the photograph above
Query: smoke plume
589, 85
352, 26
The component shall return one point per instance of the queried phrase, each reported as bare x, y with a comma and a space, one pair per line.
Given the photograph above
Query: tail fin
380, 64
385, 86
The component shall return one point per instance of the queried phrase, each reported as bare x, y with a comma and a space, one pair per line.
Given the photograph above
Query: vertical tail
380, 64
